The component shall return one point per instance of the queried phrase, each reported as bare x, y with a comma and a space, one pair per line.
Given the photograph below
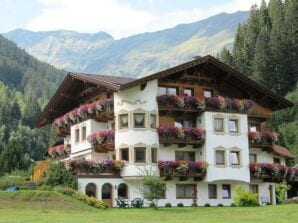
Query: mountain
133, 56
22, 72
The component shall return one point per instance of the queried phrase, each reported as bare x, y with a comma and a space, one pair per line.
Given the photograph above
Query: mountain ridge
132, 56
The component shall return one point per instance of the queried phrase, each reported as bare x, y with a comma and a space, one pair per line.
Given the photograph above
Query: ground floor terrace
187, 192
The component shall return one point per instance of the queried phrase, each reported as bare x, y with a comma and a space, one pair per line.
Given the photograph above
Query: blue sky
120, 18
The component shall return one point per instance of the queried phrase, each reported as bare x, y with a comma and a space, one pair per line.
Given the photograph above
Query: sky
120, 18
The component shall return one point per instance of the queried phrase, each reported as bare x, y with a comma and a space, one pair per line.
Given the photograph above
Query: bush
152, 205
168, 205
180, 205
65, 190
194, 205
233, 205
245, 198
58, 175
91, 201
17, 181
220, 205
45, 188
207, 205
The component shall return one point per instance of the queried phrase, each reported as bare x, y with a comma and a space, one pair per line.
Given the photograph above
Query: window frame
184, 190
208, 90
121, 153
144, 120
222, 150
120, 121
135, 152
77, 135
210, 197
223, 124
237, 125
154, 155
256, 157
184, 152
83, 136
154, 124
229, 191
238, 153
167, 90
188, 89
253, 187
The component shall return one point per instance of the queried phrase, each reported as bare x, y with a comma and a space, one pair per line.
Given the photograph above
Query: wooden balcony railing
176, 103
102, 141
101, 110
272, 172
182, 136
182, 169
90, 167
59, 152
265, 139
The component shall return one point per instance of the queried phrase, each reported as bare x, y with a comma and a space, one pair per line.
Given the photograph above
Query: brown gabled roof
282, 151
231, 73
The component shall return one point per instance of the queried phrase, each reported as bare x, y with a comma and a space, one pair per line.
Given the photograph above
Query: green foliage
233, 205
245, 198
154, 187
168, 205
65, 190
9, 180
180, 205
58, 175
207, 205
281, 190
91, 201
220, 205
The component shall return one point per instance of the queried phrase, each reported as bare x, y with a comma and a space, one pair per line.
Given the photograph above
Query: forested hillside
266, 50
26, 85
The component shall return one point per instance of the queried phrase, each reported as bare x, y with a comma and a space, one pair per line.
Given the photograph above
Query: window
212, 191
218, 124
122, 191
226, 191
153, 155
140, 155
123, 121
220, 157
235, 157
188, 92
208, 93
276, 160
178, 124
167, 90
147, 190
233, 126
124, 154
83, 133
77, 135
252, 158
184, 155
139, 120
153, 121
254, 188
185, 190
184, 123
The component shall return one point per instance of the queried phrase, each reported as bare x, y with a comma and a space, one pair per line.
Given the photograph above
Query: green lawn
52, 207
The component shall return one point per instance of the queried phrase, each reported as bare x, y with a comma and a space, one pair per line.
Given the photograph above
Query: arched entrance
91, 190
122, 191
107, 194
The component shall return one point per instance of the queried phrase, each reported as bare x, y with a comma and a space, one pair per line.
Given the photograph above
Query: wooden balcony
182, 169
272, 172
102, 141
181, 136
262, 140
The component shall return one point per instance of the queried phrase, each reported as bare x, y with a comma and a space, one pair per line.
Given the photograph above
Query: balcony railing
266, 139
90, 167
182, 169
182, 136
101, 110
59, 152
272, 172
102, 141
194, 104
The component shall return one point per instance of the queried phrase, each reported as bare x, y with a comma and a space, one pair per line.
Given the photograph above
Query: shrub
152, 205
65, 190
168, 205
220, 205
245, 198
59, 176
17, 181
194, 205
281, 190
180, 205
91, 201
233, 205
207, 205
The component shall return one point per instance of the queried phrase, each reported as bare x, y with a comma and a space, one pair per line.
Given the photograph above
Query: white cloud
118, 18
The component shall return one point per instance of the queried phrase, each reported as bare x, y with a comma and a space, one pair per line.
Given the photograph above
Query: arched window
122, 191
91, 190
106, 191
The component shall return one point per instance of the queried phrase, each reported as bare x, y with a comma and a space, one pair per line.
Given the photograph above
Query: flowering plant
266, 137
104, 166
180, 133
83, 112
101, 137
58, 150
181, 166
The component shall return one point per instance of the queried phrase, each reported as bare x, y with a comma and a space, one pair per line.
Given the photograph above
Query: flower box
102, 141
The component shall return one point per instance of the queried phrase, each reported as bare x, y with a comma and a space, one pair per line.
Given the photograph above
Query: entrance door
107, 194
